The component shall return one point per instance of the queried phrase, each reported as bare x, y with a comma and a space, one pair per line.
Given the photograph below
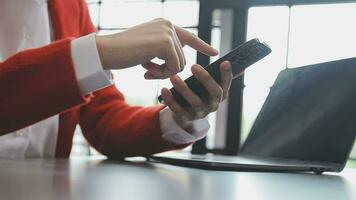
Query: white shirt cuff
173, 133
88, 68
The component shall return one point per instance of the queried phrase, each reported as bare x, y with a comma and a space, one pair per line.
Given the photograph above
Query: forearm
37, 84
118, 130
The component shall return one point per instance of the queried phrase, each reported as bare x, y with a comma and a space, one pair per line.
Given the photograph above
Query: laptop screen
309, 115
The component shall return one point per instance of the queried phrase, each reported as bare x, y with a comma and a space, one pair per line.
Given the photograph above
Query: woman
54, 75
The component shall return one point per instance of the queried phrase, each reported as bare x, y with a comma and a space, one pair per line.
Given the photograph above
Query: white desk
100, 179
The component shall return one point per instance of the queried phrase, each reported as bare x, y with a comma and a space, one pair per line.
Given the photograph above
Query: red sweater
39, 83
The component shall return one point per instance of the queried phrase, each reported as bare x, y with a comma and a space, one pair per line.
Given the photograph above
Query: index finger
190, 39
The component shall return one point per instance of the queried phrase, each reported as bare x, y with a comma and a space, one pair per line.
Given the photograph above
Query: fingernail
164, 91
196, 69
226, 67
175, 78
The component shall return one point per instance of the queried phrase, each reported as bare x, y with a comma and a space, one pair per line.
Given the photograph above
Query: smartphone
240, 57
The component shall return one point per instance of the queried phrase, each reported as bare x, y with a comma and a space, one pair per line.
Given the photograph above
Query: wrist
185, 124
101, 43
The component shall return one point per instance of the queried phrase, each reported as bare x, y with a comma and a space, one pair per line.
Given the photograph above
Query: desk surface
101, 179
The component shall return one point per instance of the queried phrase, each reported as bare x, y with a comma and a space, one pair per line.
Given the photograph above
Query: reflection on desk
101, 179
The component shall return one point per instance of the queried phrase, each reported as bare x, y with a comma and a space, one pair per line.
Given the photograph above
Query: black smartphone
240, 57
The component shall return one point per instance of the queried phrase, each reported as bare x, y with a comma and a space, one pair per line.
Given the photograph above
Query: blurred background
299, 33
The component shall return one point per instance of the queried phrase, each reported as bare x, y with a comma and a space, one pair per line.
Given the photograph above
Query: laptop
307, 123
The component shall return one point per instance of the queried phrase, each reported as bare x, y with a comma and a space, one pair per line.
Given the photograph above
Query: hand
140, 44
199, 108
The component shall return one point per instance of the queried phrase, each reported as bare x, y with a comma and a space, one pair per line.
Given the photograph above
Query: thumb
155, 71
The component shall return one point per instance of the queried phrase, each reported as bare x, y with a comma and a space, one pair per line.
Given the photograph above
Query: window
269, 24
299, 35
